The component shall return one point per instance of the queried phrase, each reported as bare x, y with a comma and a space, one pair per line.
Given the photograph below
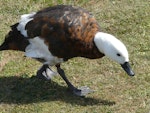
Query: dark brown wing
67, 30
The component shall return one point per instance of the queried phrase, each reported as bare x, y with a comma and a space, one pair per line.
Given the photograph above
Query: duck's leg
45, 72
79, 92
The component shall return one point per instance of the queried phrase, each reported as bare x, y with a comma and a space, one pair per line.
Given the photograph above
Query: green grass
116, 92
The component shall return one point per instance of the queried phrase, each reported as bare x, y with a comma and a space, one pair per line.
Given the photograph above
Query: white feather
23, 21
38, 49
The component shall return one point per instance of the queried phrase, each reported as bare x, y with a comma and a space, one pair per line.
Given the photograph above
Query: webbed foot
82, 91
45, 73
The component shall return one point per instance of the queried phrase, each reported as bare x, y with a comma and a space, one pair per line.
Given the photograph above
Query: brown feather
68, 31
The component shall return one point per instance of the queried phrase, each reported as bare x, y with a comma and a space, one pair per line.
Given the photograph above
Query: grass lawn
115, 91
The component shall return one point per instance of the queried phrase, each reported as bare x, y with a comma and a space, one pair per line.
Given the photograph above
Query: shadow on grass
23, 90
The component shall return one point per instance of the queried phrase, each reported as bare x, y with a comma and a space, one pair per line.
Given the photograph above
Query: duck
55, 34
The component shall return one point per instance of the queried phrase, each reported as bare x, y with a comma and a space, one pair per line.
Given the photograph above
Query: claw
48, 73
82, 91
45, 73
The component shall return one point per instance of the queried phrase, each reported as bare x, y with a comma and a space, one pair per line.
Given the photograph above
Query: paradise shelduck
55, 34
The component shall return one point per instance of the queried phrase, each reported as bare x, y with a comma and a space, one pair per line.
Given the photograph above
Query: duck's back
68, 31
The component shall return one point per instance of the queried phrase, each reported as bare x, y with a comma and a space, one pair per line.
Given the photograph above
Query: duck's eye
118, 54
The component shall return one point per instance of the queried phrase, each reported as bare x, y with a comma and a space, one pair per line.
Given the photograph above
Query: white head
114, 49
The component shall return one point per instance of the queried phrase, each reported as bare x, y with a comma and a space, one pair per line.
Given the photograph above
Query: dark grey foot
45, 73
83, 91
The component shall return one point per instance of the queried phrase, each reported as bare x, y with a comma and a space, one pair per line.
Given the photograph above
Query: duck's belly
37, 49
